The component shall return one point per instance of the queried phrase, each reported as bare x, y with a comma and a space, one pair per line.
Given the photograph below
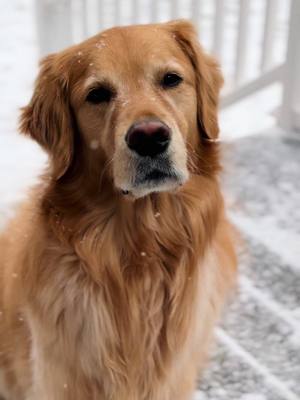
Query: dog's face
138, 102
141, 99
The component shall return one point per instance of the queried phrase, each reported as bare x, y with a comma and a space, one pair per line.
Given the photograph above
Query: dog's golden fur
106, 296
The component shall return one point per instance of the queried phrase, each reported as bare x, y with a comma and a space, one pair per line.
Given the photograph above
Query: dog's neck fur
162, 218
149, 248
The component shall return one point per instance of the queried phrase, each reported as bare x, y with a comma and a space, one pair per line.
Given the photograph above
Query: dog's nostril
148, 138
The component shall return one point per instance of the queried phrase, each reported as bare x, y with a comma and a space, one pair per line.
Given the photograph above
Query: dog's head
138, 101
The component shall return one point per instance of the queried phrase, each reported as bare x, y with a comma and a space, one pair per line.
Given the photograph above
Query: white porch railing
290, 110
256, 42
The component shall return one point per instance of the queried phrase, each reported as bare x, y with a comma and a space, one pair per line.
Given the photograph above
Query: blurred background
257, 356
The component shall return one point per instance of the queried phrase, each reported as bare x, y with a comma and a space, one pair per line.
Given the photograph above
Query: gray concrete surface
257, 355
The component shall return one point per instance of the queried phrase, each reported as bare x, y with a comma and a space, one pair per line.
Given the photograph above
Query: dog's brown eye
171, 80
99, 95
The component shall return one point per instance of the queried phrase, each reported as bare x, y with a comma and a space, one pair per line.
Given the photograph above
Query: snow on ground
258, 343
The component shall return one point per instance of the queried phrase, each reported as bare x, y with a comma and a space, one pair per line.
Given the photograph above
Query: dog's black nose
148, 138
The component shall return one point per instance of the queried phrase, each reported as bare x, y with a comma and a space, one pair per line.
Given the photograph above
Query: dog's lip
155, 181
153, 175
157, 175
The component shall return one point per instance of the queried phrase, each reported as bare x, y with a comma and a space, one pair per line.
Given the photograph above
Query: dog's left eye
171, 80
99, 95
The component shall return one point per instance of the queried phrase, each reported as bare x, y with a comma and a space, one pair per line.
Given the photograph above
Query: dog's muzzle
149, 140
151, 157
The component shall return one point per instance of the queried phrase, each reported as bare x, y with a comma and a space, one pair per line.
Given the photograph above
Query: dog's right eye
171, 80
99, 95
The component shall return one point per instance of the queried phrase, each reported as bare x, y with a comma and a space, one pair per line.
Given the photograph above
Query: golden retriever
113, 273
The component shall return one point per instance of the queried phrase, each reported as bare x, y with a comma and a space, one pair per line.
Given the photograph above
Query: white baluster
101, 21
135, 11
84, 18
219, 29
269, 34
242, 42
118, 13
54, 25
154, 10
195, 9
290, 109
174, 9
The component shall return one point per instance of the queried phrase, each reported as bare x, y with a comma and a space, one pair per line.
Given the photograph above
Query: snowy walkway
258, 352
257, 356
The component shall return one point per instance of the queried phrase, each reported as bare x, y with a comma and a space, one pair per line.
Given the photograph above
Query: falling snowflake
94, 144
124, 103
100, 45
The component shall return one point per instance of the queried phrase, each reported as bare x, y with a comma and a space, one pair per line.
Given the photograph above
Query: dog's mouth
154, 171
154, 175
157, 176
140, 175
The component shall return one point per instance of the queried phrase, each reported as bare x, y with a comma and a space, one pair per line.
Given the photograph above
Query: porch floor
257, 356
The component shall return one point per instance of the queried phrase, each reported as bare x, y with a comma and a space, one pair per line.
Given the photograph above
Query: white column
101, 24
174, 9
219, 29
271, 17
290, 109
54, 25
118, 12
135, 12
84, 18
196, 10
242, 42
154, 10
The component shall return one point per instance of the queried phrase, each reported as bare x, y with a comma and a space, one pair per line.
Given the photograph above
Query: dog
114, 271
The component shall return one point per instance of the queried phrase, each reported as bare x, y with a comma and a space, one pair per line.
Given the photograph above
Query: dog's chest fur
114, 313
120, 332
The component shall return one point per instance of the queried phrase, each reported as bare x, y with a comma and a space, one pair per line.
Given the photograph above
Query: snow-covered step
262, 178
270, 340
232, 377
270, 274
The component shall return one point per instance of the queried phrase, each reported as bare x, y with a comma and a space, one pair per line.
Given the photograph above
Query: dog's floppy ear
209, 79
48, 116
